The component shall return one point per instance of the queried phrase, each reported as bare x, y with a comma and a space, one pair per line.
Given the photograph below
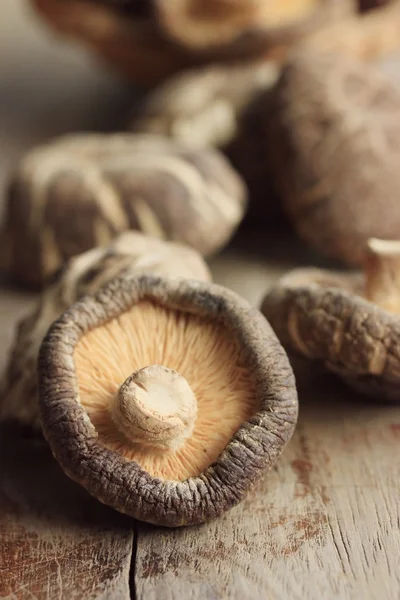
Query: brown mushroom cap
130, 253
115, 183
334, 318
371, 35
202, 107
335, 143
130, 44
223, 106
249, 26
169, 36
228, 355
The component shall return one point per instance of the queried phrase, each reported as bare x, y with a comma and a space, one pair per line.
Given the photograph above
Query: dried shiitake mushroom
246, 26
220, 106
348, 321
79, 191
130, 253
367, 37
166, 399
335, 145
202, 107
130, 43
149, 41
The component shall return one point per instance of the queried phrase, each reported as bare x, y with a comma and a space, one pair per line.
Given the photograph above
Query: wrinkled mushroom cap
116, 182
335, 144
150, 45
202, 107
205, 334
249, 26
227, 107
130, 253
325, 317
367, 36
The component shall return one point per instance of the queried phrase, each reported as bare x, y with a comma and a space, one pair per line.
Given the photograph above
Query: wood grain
323, 525
56, 541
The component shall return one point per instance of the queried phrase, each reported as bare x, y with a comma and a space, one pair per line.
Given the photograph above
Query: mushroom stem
382, 274
155, 407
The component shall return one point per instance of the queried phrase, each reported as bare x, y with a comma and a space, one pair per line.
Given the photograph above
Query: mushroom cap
151, 44
220, 106
115, 183
335, 144
323, 316
130, 253
244, 26
249, 153
245, 389
130, 44
202, 107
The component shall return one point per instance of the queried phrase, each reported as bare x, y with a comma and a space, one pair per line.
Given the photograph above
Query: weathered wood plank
56, 541
323, 525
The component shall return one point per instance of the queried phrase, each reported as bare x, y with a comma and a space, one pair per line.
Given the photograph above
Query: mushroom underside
198, 350
251, 366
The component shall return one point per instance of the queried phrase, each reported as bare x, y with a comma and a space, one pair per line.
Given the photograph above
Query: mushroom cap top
335, 142
202, 107
249, 25
325, 316
117, 182
150, 44
130, 253
241, 377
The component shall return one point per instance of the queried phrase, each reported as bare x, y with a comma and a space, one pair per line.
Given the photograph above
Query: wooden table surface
324, 524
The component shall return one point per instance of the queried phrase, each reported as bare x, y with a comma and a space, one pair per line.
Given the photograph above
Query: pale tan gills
202, 352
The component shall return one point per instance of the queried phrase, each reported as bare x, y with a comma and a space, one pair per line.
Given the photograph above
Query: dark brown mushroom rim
334, 318
228, 357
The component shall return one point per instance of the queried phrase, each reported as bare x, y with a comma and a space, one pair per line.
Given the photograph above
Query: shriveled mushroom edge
320, 315
124, 485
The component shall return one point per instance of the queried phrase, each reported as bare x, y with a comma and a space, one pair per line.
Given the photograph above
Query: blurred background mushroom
155, 39
223, 107
372, 35
226, 70
203, 107
229, 106
78, 192
334, 133
130, 253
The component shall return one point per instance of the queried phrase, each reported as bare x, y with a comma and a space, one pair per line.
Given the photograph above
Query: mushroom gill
206, 361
